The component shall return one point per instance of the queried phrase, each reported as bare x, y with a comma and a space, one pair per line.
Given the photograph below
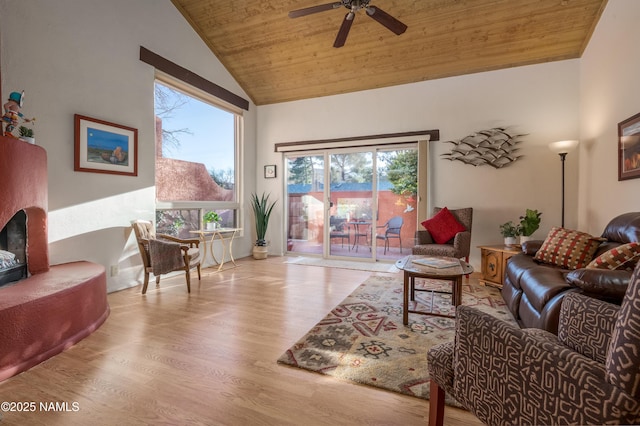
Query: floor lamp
562, 148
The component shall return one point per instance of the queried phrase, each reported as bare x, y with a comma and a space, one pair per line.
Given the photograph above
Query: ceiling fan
376, 13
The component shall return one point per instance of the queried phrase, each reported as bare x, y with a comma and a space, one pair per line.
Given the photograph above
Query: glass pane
305, 191
195, 148
350, 212
178, 223
226, 218
397, 192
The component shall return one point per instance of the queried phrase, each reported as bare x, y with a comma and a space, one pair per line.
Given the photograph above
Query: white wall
610, 93
540, 100
82, 57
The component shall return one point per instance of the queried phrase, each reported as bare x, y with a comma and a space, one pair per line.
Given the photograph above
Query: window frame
203, 206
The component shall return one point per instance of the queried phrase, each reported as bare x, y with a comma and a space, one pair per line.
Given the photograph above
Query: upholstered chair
588, 374
163, 253
459, 246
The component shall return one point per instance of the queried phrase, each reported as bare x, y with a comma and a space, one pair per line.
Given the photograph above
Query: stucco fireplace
49, 308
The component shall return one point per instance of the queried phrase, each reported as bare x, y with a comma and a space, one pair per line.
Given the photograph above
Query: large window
197, 145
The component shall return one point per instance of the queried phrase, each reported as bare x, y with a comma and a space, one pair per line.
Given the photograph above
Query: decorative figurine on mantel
12, 113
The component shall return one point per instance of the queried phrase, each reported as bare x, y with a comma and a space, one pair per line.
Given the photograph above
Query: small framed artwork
629, 148
103, 147
270, 171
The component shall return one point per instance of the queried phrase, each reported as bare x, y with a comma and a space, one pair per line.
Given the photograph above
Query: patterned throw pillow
567, 248
624, 257
443, 226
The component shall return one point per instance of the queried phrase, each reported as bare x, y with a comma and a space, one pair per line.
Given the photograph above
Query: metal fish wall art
496, 147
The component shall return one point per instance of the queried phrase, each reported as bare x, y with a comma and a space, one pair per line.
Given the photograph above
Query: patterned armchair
588, 374
458, 247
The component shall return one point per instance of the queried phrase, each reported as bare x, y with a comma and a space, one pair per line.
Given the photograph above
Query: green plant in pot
262, 209
529, 223
211, 220
510, 232
27, 135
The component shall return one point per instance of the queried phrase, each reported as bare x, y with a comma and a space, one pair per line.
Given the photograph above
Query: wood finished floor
209, 358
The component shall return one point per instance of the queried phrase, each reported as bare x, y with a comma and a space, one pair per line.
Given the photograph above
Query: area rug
363, 339
344, 264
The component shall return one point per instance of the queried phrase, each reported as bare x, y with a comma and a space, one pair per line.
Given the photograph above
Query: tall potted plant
529, 223
262, 209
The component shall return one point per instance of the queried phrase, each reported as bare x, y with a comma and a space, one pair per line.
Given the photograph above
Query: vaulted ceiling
276, 58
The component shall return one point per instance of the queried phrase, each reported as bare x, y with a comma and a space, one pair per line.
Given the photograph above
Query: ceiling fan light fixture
379, 15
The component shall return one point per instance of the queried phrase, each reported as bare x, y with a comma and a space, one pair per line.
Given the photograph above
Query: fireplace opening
13, 250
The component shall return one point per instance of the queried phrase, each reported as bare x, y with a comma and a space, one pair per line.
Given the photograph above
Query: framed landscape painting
629, 148
103, 147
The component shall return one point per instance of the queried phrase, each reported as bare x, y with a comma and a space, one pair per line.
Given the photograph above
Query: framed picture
270, 171
103, 147
629, 148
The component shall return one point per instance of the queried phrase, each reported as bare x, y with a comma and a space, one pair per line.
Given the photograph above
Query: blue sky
211, 141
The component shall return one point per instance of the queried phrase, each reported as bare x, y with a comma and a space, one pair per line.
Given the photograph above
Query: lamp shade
563, 147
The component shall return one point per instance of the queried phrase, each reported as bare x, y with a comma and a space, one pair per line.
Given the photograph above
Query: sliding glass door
350, 195
366, 209
305, 199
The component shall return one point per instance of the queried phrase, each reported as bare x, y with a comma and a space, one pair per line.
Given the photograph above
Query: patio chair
340, 229
393, 228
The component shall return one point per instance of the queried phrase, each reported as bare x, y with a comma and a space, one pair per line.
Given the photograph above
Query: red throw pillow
443, 226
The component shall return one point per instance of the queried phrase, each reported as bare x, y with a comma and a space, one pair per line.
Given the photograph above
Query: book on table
435, 262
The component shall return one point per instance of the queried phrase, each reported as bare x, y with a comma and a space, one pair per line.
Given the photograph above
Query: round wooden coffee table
439, 268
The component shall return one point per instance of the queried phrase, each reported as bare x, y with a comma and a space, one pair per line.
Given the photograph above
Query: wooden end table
494, 263
413, 270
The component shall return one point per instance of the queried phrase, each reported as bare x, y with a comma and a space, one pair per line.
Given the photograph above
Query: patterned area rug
363, 338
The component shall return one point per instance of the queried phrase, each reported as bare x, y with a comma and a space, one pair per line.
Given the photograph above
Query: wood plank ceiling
276, 59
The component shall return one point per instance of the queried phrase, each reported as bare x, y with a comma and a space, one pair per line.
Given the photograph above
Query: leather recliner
534, 291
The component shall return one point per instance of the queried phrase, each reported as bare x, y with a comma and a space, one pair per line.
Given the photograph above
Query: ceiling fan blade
341, 38
387, 20
314, 9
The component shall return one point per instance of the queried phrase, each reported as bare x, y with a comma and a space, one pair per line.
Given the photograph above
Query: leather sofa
534, 291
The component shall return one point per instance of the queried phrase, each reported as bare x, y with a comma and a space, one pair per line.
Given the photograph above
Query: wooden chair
163, 253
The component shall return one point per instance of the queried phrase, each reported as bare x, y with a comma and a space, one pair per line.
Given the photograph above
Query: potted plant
529, 223
510, 232
26, 134
211, 220
262, 209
